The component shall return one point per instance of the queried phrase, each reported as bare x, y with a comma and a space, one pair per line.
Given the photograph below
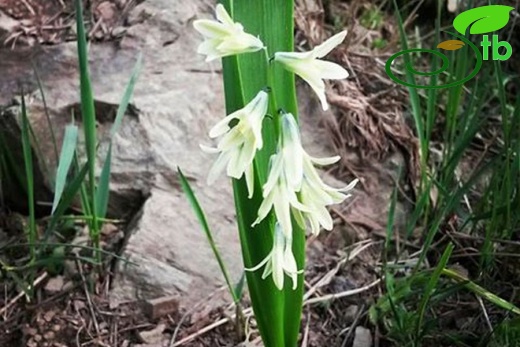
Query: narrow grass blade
67, 198
70, 140
482, 292
88, 116
46, 110
29, 174
103, 189
430, 288
205, 227
123, 105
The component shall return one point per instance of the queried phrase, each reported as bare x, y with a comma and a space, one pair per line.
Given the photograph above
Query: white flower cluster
293, 187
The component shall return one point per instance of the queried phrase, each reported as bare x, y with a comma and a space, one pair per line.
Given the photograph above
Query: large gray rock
176, 100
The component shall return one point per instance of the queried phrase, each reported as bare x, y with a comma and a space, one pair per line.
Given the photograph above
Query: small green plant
74, 175
372, 18
476, 203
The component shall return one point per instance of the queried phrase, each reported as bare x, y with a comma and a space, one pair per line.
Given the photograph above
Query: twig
249, 311
352, 327
341, 294
481, 303
21, 294
89, 301
183, 318
329, 275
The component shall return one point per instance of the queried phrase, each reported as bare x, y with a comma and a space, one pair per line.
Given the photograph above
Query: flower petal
318, 87
330, 70
278, 256
222, 126
327, 46
218, 167
210, 29
324, 161
223, 16
208, 149
289, 58
250, 180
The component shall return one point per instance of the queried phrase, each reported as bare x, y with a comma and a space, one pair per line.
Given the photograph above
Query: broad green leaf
482, 20
68, 149
278, 313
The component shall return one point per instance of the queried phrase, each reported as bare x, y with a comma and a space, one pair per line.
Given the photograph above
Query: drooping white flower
280, 261
239, 143
285, 177
224, 37
294, 186
315, 195
313, 70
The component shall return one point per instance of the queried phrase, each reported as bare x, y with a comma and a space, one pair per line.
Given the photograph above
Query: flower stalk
277, 189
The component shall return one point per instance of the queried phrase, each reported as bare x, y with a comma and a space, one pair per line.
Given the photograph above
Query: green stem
272, 98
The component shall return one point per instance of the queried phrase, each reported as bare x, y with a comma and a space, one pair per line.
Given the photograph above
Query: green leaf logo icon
482, 20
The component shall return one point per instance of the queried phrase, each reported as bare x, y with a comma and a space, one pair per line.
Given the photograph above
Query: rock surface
177, 99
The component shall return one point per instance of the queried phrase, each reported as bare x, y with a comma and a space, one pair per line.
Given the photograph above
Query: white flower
316, 195
239, 144
285, 177
313, 70
224, 37
280, 260
294, 186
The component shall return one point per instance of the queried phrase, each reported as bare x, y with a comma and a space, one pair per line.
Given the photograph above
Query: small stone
362, 337
118, 31
161, 307
38, 337
125, 343
31, 331
49, 315
107, 11
79, 305
70, 268
152, 336
54, 285
32, 343
350, 314
56, 327
49, 335
109, 229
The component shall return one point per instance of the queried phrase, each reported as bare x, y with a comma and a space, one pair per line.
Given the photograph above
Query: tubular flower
316, 195
280, 260
285, 177
313, 70
224, 37
239, 144
293, 184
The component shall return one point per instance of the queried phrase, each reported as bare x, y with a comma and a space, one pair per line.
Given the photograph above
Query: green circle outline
409, 68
